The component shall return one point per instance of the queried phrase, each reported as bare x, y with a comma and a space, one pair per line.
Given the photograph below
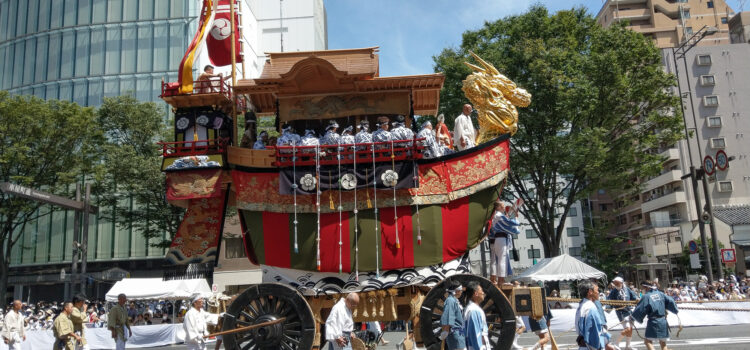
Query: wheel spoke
290, 339
248, 317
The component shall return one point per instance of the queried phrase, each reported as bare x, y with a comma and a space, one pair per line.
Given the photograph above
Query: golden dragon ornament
495, 97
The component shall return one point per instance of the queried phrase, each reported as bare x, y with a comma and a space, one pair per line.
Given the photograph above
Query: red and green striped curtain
448, 231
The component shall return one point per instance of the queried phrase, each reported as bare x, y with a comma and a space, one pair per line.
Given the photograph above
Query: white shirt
196, 326
14, 326
339, 321
463, 129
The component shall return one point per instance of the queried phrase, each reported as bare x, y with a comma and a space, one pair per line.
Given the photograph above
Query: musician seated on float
208, 81
431, 147
363, 135
401, 132
382, 134
262, 141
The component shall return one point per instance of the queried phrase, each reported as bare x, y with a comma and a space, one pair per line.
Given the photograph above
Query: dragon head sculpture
495, 97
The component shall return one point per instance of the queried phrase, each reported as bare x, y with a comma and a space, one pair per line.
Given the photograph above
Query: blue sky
410, 32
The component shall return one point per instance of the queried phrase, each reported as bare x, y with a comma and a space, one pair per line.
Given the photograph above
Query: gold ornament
495, 97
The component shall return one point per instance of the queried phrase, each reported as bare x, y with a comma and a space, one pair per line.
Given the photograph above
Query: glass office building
84, 50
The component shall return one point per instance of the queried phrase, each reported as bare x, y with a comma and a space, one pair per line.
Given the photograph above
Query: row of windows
48, 238
571, 232
537, 253
91, 91
96, 51
22, 17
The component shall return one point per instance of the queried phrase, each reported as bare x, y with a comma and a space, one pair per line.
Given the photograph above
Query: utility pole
70, 285
85, 238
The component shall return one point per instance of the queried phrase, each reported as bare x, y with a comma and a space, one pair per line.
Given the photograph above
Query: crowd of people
437, 140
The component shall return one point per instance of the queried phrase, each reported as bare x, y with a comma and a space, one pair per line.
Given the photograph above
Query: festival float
379, 219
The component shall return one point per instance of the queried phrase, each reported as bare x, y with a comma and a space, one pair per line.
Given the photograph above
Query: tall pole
234, 76
714, 239
70, 285
85, 237
693, 175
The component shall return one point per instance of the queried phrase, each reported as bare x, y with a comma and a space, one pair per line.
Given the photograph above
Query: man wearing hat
432, 149
363, 134
452, 320
65, 336
196, 324
654, 304
78, 317
14, 332
117, 322
623, 293
332, 136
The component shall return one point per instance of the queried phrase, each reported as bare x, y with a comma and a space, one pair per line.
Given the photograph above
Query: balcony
670, 154
663, 179
664, 249
664, 201
633, 14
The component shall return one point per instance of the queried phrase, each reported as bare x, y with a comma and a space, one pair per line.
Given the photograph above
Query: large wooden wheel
501, 320
268, 302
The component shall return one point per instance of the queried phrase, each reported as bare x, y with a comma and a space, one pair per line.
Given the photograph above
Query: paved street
718, 337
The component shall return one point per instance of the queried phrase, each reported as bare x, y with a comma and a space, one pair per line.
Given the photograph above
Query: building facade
669, 22
85, 50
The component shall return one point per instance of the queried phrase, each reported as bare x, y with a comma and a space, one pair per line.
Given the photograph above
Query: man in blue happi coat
502, 230
590, 321
623, 293
655, 305
452, 320
475, 321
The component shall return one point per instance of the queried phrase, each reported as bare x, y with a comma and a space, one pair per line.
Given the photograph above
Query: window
710, 4
708, 80
602, 207
718, 142
573, 232
710, 101
534, 253
686, 14
688, 31
714, 122
703, 60
531, 233
573, 211
574, 251
725, 186
233, 248
724, 20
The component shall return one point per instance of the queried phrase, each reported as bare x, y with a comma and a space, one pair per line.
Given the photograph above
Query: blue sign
693, 247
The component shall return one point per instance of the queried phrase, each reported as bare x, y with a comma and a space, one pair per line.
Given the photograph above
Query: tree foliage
602, 250
600, 102
132, 169
44, 145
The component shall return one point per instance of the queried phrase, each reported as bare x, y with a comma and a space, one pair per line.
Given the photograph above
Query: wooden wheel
268, 302
501, 320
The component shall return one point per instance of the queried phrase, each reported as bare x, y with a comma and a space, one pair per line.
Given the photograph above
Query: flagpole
234, 75
241, 51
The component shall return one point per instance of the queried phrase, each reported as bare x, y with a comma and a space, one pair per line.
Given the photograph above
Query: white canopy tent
560, 268
158, 289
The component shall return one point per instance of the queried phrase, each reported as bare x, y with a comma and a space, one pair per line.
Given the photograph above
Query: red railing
384, 152
218, 85
194, 148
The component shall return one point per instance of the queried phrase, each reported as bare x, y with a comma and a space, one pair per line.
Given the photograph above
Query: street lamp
695, 174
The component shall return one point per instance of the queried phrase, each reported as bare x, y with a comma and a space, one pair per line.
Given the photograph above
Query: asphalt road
717, 337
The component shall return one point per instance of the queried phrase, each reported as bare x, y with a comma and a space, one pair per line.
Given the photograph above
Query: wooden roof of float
335, 72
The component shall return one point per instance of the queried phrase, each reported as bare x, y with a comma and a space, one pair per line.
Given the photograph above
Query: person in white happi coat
432, 149
363, 135
196, 325
310, 139
401, 132
288, 137
331, 136
382, 134
14, 333
463, 130
346, 136
340, 324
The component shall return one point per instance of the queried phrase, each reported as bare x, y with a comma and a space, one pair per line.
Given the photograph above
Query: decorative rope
416, 202
395, 213
317, 202
294, 190
341, 243
356, 222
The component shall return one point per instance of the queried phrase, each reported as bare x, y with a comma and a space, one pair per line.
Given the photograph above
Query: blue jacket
655, 304
591, 325
452, 314
626, 294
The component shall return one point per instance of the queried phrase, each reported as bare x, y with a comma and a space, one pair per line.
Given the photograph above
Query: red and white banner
218, 41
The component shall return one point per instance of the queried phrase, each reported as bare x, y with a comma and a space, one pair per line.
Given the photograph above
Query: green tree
131, 186
684, 259
604, 251
44, 145
601, 101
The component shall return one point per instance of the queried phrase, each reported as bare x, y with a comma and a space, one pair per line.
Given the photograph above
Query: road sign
722, 161
727, 256
693, 247
709, 166
215, 288
44, 197
695, 261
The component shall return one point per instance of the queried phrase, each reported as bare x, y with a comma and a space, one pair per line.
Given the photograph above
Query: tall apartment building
661, 219
85, 50
669, 22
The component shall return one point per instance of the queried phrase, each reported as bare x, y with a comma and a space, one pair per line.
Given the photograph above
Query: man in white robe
14, 332
463, 130
196, 325
339, 324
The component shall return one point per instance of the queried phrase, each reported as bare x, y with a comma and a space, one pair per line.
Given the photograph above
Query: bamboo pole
246, 328
235, 122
